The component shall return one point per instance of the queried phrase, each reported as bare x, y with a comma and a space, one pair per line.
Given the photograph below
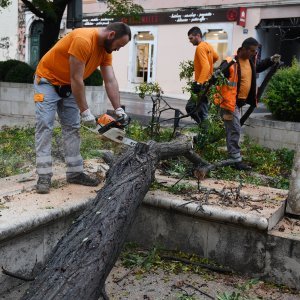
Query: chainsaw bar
116, 135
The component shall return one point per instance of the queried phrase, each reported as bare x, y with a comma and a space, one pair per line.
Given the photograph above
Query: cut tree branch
33, 9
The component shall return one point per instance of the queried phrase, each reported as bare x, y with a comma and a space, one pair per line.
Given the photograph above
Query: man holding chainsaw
204, 59
59, 87
240, 90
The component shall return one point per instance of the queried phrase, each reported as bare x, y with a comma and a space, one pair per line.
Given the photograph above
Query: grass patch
17, 154
270, 167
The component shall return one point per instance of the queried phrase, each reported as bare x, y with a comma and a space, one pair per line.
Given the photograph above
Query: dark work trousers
201, 113
45, 110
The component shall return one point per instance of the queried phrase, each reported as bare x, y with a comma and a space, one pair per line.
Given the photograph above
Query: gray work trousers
46, 107
233, 133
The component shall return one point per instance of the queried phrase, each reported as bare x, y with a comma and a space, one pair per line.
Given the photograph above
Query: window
143, 56
218, 38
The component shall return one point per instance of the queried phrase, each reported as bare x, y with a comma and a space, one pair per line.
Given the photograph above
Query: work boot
83, 179
240, 166
43, 185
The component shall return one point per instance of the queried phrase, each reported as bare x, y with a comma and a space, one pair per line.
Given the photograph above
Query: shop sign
242, 16
179, 17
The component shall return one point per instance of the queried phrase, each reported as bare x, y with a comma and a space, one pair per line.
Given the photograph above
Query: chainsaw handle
121, 120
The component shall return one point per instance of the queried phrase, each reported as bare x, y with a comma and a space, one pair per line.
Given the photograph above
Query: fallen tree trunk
83, 258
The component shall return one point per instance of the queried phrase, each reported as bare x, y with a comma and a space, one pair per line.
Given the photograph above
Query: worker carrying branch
240, 90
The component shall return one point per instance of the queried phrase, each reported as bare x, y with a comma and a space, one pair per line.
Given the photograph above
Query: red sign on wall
242, 16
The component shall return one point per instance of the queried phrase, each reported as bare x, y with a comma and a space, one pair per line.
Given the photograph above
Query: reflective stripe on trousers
69, 117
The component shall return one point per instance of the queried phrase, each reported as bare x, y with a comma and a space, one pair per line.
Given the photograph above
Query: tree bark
293, 201
83, 258
49, 36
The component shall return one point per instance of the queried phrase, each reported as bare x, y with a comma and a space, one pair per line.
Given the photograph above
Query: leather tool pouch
227, 115
63, 91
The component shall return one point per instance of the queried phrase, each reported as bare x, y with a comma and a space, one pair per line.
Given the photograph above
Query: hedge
17, 71
283, 94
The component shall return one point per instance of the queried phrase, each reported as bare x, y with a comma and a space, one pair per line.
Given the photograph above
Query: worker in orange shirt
204, 59
59, 87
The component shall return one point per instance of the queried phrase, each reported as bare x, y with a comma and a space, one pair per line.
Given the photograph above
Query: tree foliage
283, 93
51, 11
47, 10
4, 3
122, 8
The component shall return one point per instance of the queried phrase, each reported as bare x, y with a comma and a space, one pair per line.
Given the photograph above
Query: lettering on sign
178, 17
192, 17
96, 21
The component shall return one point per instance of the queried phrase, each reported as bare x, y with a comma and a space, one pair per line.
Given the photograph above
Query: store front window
218, 38
144, 56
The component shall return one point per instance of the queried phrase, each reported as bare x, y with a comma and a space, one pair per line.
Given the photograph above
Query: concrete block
97, 99
21, 97
27, 109
167, 229
273, 134
5, 107
29, 252
283, 260
241, 249
13, 94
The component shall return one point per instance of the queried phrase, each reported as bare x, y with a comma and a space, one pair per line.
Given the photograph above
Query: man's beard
108, 45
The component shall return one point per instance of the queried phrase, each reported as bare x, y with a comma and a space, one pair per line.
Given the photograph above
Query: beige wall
9, 32
172, 43
92, 6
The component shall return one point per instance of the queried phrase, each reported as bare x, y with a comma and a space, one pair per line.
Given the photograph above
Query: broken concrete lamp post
293, 201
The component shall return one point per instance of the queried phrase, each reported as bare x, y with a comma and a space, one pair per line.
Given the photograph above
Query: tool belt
63, 91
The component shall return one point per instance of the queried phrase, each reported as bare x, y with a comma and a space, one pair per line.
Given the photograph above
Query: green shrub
283, 93
95, 79
22, 73
6, 66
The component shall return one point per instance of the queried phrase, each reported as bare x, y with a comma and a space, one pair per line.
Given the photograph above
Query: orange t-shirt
245, 80
83, 44
205, 57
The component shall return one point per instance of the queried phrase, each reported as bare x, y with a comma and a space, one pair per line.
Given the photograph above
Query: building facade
159, 36
160, 42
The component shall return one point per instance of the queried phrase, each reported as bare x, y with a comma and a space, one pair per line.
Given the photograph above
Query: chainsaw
112, 129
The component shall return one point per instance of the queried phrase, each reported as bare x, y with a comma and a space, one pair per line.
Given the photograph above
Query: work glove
120, 113
196, 87
276, 58
87, 118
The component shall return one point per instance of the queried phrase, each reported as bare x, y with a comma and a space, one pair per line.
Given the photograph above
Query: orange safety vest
226, 97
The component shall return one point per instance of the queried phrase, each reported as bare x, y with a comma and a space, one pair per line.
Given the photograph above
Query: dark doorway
280, 36
35, 35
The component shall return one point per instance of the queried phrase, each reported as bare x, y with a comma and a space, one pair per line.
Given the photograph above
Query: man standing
59, 87
204, 59
241, 90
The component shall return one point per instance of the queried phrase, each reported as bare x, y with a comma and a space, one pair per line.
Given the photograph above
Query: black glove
196, 87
